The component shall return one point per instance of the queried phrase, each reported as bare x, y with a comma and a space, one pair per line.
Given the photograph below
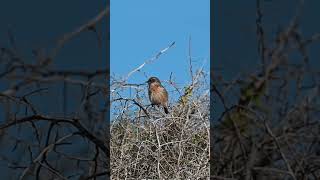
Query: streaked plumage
158, 95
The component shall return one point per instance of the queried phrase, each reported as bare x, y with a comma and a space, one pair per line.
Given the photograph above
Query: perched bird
158, 95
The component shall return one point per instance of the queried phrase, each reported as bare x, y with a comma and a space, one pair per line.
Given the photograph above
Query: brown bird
158, 95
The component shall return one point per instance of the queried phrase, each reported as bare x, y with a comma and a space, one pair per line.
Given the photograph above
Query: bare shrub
53, 119
269, 125
148, 144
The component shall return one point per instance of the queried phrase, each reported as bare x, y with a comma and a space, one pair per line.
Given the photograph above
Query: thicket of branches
148, 144
269, 127
38, 139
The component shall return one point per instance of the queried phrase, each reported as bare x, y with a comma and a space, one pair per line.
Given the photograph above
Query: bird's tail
166, 109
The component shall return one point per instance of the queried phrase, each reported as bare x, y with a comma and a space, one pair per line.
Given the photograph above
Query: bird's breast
156, 88
157, 94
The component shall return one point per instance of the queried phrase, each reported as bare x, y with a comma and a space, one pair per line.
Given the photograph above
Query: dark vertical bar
211, 85
108, 84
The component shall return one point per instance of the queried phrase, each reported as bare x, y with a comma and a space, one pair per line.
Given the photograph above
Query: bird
158, 95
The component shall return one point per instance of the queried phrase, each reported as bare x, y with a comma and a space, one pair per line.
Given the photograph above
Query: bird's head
153, 80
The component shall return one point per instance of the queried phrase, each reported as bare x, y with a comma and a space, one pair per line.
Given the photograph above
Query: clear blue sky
140, 29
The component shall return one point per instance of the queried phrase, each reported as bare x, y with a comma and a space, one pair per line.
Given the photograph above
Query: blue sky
140, 29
